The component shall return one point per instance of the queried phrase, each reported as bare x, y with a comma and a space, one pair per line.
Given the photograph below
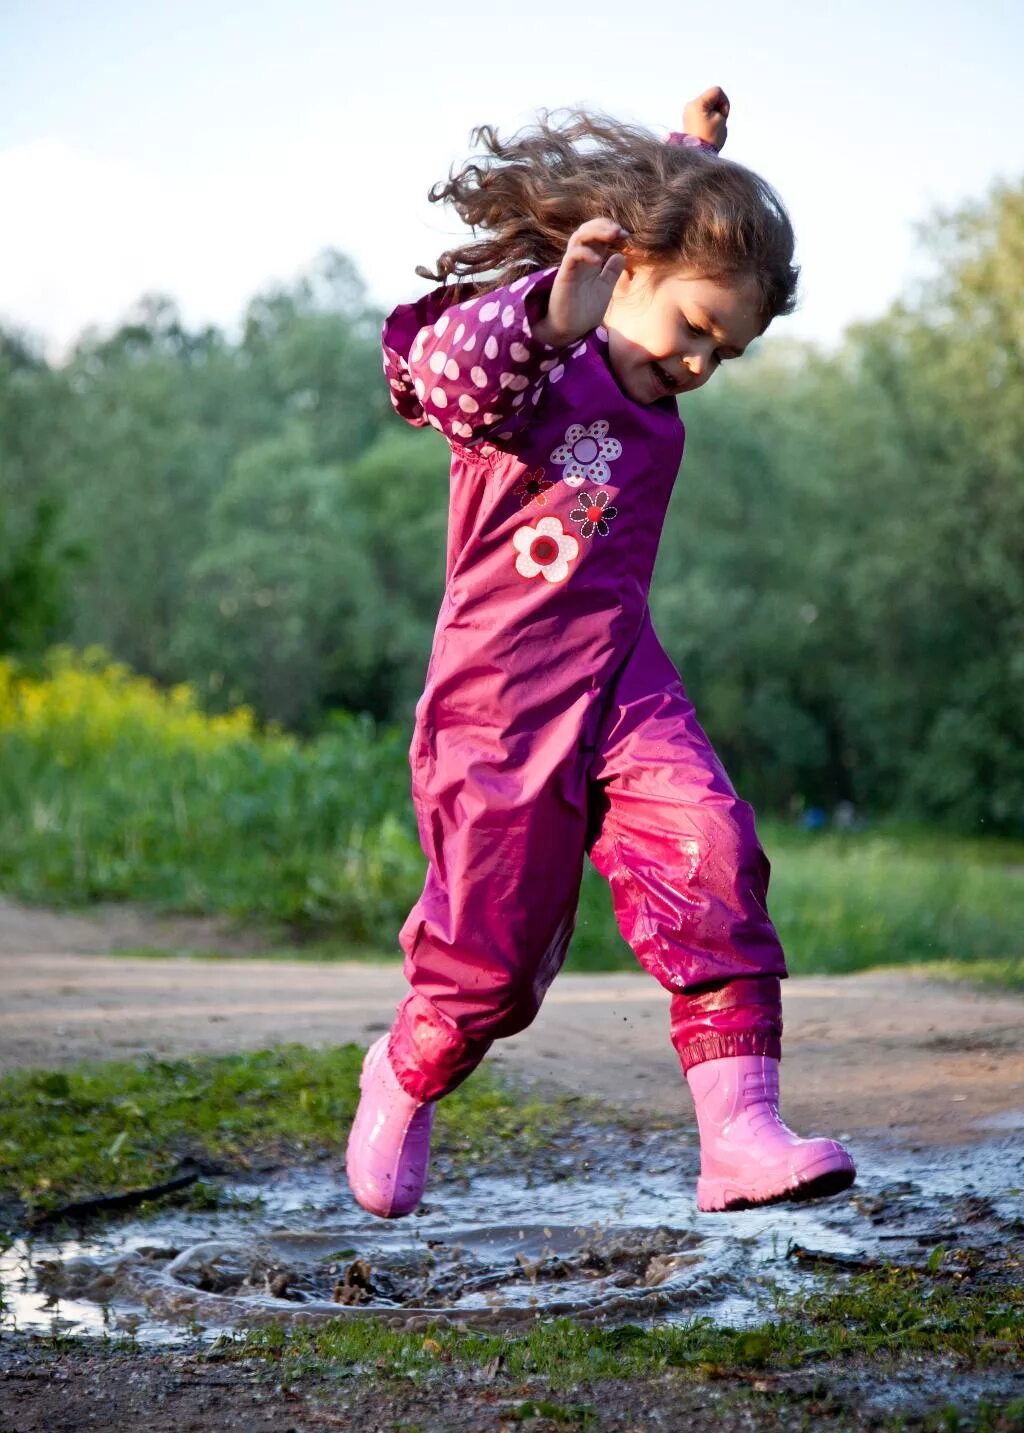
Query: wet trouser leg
688, 875
492, 927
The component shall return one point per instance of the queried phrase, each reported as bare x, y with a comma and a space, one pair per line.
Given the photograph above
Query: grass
844, 902
102, 1126
887, 1313
113, 790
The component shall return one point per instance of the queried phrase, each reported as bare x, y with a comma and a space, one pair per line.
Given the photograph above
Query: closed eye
719, 356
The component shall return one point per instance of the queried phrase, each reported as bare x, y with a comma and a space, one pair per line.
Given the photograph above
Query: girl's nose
695, 363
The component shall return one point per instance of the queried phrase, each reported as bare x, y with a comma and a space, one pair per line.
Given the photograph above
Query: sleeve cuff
689, 141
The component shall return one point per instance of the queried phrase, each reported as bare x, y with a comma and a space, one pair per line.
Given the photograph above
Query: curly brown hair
523, 198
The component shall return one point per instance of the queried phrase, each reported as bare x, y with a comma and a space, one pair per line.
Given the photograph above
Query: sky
209, 150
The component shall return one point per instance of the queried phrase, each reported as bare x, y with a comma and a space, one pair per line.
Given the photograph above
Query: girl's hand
705, 116
583, 285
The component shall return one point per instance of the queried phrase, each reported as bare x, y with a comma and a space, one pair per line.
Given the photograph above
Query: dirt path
886, 1053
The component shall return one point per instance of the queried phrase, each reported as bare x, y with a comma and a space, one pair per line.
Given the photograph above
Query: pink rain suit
553, 724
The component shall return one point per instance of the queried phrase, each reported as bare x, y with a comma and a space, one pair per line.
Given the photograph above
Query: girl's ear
632, 272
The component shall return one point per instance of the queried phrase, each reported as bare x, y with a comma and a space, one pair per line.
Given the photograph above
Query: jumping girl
608, 273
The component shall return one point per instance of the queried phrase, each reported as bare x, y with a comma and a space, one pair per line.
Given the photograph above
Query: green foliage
113, 789
841, 579
842, 582
35, 562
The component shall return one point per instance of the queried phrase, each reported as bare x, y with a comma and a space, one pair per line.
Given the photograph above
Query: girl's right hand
706, 116
583, 286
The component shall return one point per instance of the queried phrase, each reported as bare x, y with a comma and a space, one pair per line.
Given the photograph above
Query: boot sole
719, 1195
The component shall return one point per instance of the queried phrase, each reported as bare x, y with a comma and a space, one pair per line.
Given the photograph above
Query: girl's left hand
705, 117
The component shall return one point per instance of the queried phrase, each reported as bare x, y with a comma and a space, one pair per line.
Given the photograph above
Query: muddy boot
389, 1144
748, 1156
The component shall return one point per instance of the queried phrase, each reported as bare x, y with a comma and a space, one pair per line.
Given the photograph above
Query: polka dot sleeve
476, 368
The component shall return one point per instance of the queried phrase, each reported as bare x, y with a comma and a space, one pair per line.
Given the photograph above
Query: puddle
614, 1236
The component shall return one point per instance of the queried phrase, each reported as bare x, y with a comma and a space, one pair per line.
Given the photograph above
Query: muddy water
611, 1234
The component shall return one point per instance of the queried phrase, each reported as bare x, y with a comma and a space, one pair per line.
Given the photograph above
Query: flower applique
593, 512
545, 550
586, 453
532, 487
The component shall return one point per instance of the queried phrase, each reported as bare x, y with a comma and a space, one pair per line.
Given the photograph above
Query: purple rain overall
553, 724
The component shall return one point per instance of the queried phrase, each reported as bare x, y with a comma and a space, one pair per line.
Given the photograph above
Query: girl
613, 272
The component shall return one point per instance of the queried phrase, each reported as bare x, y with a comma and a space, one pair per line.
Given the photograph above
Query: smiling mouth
665, 379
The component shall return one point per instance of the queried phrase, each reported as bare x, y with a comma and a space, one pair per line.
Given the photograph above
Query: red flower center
594, 514
543, 550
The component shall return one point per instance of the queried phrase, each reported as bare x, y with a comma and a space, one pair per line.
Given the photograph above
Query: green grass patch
99, 1127
849, 901
111, 789
891, 1312
994, 974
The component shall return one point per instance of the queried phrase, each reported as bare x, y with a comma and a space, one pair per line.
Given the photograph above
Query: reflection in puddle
619, 1239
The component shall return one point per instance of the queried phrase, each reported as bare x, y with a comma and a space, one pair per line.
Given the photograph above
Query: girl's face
669, 331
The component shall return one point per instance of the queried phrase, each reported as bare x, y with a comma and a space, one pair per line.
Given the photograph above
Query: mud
607, 1231
889, 1053
47, 1390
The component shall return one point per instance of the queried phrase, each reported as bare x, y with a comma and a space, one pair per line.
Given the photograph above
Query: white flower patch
545, 550
586, 453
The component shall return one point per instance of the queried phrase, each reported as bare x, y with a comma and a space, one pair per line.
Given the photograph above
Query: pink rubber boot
748, 1156
388, 1149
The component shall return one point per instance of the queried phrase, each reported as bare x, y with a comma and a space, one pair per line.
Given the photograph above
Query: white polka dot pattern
472, 368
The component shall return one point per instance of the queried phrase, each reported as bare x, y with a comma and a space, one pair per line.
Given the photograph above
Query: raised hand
705, 117
588, 273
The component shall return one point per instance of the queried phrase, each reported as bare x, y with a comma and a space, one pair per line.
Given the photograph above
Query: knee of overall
501, 1003
732, 848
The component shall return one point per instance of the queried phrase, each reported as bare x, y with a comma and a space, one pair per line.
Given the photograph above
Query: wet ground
605, 1231
608, 1230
